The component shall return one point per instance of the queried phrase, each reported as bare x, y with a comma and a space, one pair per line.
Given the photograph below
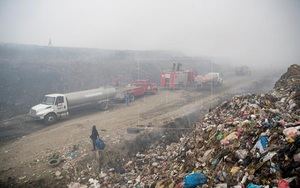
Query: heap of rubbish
249, 141
288, 88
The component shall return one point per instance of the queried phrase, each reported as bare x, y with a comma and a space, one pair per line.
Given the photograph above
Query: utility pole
50, 42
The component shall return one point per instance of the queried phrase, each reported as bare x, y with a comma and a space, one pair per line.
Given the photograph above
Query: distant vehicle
212, 79
56, 106
242, 71
177, 78
137, 89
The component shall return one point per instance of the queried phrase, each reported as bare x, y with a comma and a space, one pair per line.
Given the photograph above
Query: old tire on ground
50, 119
54, 162
133, 130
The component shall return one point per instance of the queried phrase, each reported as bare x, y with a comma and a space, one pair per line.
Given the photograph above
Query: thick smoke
251, 32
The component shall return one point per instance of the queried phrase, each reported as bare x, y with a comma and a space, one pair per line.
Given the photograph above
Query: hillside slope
28, 72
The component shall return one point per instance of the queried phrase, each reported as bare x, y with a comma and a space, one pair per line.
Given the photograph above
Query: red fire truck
177, 78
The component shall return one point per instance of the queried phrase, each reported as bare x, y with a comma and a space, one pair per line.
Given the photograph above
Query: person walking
94, 136
127, 100
98, 144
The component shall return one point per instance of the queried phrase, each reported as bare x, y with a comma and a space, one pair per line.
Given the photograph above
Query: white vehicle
212, 79
55, 106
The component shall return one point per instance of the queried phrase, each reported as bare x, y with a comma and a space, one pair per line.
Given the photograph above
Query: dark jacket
94, 134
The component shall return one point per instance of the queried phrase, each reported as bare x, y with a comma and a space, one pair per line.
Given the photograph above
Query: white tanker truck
55, 106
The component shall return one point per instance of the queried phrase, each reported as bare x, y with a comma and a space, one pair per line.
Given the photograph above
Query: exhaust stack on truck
55, 106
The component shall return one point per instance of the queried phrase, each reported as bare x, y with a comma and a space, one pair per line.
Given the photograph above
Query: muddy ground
26, 145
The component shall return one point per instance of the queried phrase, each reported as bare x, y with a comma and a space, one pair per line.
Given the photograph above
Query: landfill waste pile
251, 140
288, 88
248, 141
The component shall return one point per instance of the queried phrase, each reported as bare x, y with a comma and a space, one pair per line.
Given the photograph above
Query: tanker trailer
56, 106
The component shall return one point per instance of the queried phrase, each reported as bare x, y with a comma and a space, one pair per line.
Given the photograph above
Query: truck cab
53, 106
147, 86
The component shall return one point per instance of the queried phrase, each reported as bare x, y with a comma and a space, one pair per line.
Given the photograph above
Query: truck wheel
50, 119
131, 98
104, 106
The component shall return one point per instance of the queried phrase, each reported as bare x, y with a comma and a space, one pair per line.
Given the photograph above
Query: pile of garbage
249, 141
288, 88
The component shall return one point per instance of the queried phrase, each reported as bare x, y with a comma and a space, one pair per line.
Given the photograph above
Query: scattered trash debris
57, 173
249, 141
94, 183
76, 185
194, 179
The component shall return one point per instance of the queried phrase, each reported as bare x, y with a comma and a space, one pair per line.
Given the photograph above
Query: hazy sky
242, 30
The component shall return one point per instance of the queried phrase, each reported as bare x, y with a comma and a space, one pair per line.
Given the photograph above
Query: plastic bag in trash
262, 143
291, 132
252, 185
269, 156
100, 145
297, 157
230, 138
194, 179
283, 184
241, 154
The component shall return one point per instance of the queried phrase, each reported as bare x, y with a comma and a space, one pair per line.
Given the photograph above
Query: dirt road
26, 157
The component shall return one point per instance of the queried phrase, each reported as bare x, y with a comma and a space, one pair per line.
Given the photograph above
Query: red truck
177, 78
137, 89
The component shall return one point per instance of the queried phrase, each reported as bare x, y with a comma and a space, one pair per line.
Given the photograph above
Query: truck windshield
48, 100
